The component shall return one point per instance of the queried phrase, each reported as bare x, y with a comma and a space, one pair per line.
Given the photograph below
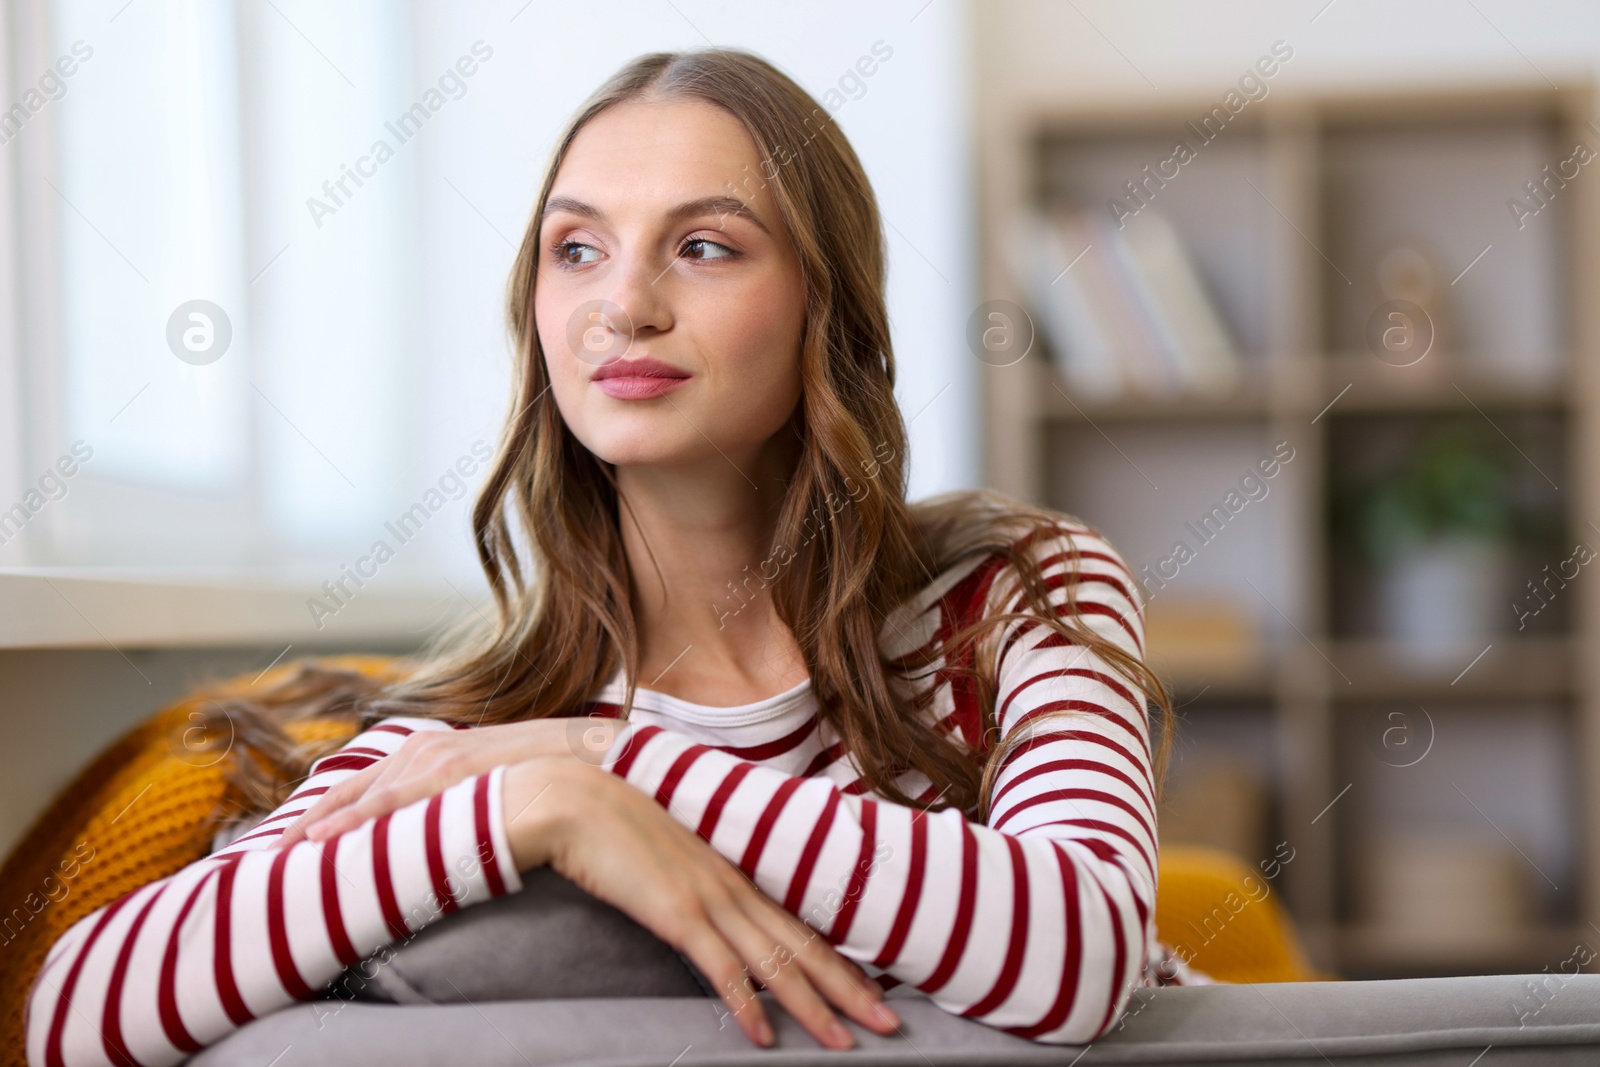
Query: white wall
1114, 49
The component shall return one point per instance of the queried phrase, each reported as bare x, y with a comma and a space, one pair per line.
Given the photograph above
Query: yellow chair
1225, 919
81, 854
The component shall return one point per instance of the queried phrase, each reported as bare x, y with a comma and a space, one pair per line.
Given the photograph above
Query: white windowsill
123, 608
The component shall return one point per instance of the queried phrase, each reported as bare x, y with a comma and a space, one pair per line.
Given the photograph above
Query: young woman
736, 680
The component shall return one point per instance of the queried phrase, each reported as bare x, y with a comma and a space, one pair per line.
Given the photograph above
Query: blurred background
1292, 300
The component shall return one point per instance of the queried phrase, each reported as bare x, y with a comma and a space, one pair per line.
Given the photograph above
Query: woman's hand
620, 846
431, 761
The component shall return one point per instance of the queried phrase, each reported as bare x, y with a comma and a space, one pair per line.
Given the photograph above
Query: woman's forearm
180, 963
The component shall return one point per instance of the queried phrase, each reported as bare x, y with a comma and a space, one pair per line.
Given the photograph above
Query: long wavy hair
547, 520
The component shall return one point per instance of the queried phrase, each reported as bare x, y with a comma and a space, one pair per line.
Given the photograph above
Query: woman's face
669, 301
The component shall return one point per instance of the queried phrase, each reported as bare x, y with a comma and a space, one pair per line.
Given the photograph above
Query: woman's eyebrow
720, 206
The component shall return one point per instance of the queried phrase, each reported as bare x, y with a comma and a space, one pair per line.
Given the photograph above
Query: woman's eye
570, 253
697, 248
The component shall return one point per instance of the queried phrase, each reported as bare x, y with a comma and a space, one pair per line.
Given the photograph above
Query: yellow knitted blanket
142, 810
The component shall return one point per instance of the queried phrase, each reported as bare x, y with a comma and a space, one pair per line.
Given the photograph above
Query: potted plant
1438, 531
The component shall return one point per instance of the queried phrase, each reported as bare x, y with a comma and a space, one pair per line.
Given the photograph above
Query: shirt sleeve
178, 964
1039, 922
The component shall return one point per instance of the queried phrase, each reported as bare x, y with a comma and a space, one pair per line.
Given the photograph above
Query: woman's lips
637, 387
638, 379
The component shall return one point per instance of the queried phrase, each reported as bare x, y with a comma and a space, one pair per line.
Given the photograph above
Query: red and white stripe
178, 964
1040, 922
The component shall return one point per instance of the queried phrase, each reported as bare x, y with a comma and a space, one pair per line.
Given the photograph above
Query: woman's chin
657, 451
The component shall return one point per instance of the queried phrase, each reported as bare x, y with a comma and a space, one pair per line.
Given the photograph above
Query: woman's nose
640, 293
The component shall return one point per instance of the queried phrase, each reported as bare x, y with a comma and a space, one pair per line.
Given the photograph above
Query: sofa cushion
550, 941
1432, 1022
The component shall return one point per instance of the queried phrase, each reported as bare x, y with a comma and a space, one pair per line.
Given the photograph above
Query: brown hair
853, 547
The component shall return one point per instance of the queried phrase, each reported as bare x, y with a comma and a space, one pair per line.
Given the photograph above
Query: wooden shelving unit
1283, 213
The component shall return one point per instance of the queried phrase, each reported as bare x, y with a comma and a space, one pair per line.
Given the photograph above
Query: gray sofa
551, 976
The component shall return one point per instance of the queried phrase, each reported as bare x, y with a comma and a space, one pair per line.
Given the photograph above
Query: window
233, 362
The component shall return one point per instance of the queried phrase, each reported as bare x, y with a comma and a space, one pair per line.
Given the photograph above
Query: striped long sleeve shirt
1039, 921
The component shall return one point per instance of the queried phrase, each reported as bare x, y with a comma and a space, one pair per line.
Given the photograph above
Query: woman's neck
690, 533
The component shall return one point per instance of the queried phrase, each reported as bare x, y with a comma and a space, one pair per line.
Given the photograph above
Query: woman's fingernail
886, 1014
764, 1032
839, 1036
317, 830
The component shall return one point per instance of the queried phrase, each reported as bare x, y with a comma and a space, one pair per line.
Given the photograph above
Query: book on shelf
1123, 310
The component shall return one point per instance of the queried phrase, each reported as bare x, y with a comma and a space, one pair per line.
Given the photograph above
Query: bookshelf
1286, 647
